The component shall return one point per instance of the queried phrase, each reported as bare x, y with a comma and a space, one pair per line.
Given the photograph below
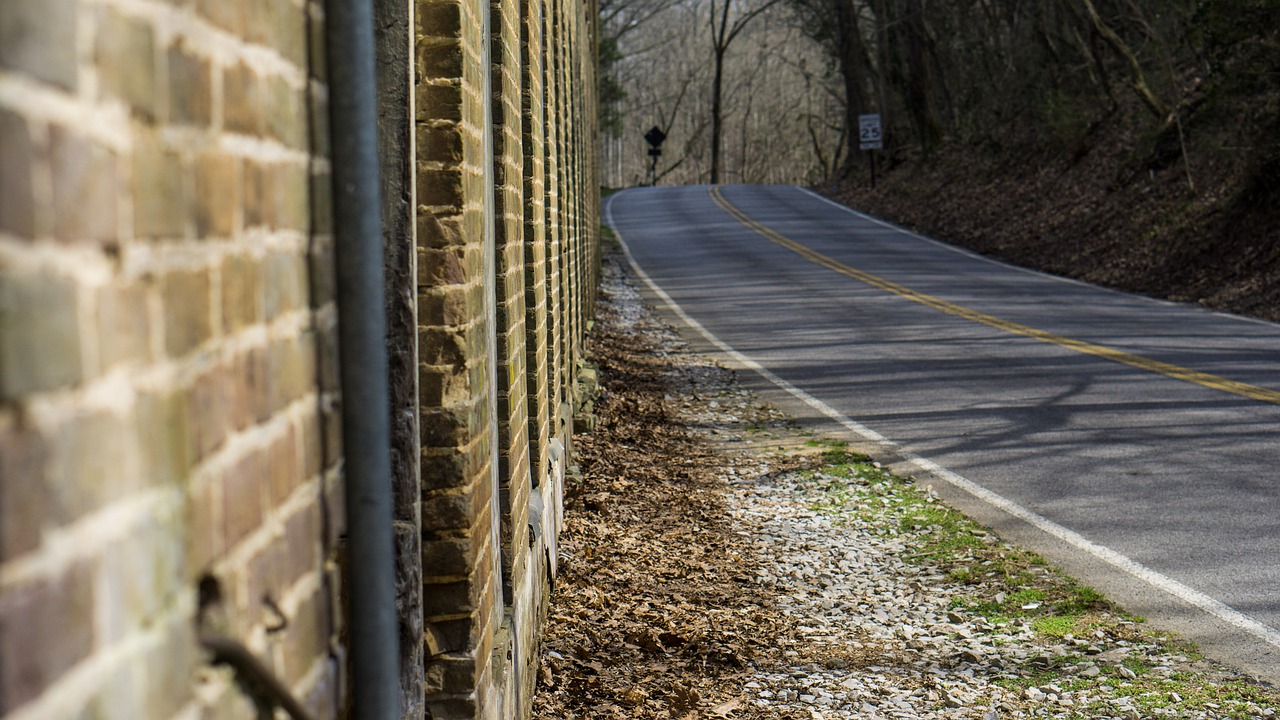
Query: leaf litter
716, 563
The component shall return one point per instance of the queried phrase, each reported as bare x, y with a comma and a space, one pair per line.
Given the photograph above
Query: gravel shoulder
720, 562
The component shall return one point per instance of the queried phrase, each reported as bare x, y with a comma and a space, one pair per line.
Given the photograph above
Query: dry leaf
723, 709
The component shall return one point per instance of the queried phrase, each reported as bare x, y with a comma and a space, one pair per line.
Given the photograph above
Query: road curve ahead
1135, 441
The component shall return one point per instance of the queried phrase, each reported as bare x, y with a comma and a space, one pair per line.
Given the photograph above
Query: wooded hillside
1134, 143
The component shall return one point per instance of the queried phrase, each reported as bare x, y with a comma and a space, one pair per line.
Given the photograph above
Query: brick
241, 98
38, 38
190, 87
24, 496
318, 59
138, 576
226, 14
188, 319
290, 26
284, 283
39, 334
285, 119
448, 557
46, 627
447, 599
241, 292
217, 198
17, 201
159, 192
440, 143
321, 203
259, 195
127, 62
264, 582
209, 411
117, 695
327, 359
307, 637
94, 459
243, 487
302, 539
321, 145
293, 204
439, 57
170, 448
124, 326
282, 467
204, 538
438, 102
170, 666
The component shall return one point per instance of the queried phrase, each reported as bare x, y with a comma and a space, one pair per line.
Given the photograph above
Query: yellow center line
1167, 369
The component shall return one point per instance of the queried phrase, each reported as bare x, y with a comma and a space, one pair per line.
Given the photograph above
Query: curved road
1136, 442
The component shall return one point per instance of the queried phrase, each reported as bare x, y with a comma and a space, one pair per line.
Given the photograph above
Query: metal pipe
374, 637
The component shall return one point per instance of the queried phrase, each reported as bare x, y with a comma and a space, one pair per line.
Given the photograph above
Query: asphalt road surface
1134, 441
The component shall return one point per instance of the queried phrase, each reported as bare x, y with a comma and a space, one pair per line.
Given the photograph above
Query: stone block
38, 38
282, 467
94, 459
447, 600
241, 99
85, 188
439, 58
46, 627
169, 667
319, 59
204, 539
138, 577
289, 25
170, 448
40, 339
159, 190
25, 504
208, 408
441, 101
190, 87
124, 326
125, 53
448, 557
302, 532
241, 292
440, 143
286, 120
243, 494
217, 198
187, 307
17, 201
293, 204
259, 195
226, 14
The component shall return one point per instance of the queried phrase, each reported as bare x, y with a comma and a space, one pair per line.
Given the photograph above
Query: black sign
655, 136
654, 152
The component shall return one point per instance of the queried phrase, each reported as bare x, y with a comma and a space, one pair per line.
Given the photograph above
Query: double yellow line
1174, 371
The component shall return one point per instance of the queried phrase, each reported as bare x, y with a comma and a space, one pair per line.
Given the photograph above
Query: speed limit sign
869, 136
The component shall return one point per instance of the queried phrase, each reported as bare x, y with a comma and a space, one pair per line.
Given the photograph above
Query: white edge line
1168, 585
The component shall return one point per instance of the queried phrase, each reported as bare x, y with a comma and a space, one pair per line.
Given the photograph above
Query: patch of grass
1055, 625
1004, 585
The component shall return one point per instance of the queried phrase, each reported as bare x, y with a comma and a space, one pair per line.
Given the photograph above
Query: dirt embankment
1107, 213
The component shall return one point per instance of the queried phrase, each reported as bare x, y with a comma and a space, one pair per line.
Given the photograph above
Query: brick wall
166, 335
170, 455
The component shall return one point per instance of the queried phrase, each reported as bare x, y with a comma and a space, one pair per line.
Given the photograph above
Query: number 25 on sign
869, 135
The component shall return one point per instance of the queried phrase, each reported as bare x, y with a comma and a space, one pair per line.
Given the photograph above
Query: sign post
654, 137
870, 137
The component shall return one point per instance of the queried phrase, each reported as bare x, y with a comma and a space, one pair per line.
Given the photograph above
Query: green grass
1004, 584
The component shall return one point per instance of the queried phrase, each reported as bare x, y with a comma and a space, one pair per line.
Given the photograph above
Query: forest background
1131, 143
